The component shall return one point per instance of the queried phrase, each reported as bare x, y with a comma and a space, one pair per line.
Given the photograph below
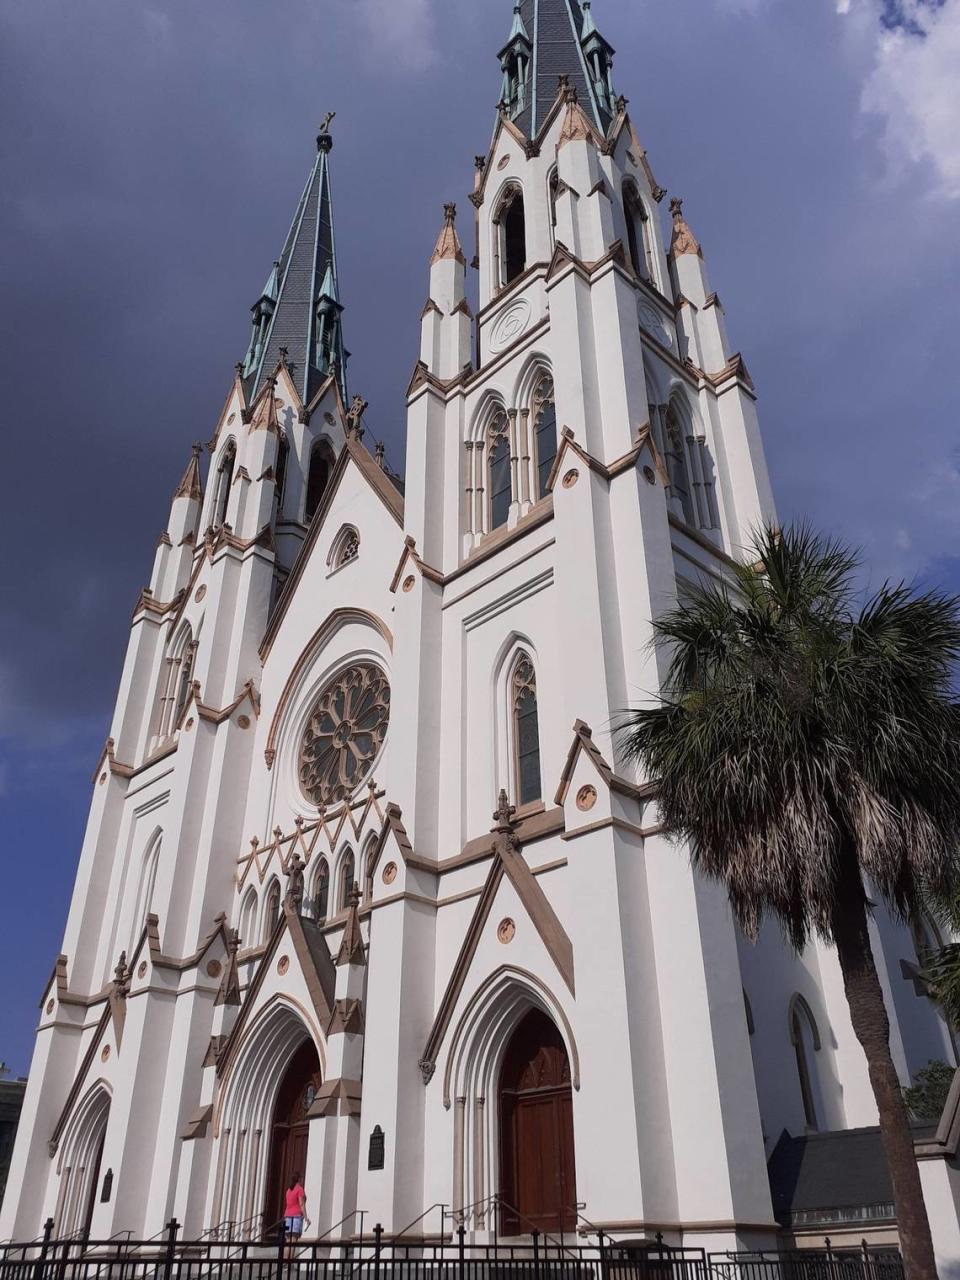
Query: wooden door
289, 1132
537, 1172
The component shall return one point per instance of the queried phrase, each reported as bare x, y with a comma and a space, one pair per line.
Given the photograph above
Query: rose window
344, 733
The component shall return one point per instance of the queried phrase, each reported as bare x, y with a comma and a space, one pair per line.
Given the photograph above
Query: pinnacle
189, 486
448, 242
683, 240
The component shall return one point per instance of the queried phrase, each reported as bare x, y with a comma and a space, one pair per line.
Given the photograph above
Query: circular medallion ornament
344, 734
649, 475
509, 325
505, 930
189, 725
50, 1005
409, 582
214, 969
105, 1053
243, 722
389, 873
571, 478
283, 964
231, 419
586, 798
505, 160
200, 592
101, 780
142, 969
329, 419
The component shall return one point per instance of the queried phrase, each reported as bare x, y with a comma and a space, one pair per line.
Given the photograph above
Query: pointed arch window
280, 479
347, 873
545, 431
370, 866
690, 472
321, 892
805, 1038
271, 915
224, 484
186, 661
526, 731
147, 889
511, 235
639, 234
553, 195
248, 918
345, 548
498, 470
318, 477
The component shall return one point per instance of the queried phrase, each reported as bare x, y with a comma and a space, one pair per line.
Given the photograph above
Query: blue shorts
294, 1226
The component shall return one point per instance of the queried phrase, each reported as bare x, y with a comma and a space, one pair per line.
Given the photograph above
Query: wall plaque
376, 1156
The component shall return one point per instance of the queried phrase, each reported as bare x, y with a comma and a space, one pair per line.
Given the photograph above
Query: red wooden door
537, 1172
290, 1130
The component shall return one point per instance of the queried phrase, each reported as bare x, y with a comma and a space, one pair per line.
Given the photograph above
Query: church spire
299, 308
550, 39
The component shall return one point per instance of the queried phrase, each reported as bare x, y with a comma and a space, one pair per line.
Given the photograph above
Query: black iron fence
452, 1257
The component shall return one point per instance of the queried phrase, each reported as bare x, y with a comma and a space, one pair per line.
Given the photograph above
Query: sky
151, 156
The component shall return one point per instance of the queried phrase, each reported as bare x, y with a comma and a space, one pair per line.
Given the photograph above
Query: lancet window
347, 872
689, 467
516, 71
176, 683
248, 918
499, 485
224, 484
805, 1038
321, 891
346, 547
510, 230
318, 477
545, 431
639, 234
526, 731
280, 482
553, 195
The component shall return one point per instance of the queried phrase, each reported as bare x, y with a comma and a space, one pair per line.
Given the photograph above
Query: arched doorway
537, 1174
290, 1128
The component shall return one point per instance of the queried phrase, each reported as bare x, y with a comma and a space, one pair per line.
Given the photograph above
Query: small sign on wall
376, 1156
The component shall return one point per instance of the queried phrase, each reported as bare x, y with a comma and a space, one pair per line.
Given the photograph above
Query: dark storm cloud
151, 156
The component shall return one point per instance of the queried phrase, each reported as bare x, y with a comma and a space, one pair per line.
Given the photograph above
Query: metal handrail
441, 1205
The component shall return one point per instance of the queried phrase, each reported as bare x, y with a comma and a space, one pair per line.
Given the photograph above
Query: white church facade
367, 891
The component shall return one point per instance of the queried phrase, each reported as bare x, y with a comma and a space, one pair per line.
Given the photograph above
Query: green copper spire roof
565, 42
299, 309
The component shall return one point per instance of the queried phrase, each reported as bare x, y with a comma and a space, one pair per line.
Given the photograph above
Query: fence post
45, 1245
603, 1255
461, 1232
281, 1244
377, 1240
865, 1254
170, 1248
536, 1253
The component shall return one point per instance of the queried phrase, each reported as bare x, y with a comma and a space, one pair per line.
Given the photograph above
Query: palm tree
805, 745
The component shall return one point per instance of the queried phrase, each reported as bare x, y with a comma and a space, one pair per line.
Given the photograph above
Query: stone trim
199, 1122
337, 1097
346, 1019
583, 741
78, 1080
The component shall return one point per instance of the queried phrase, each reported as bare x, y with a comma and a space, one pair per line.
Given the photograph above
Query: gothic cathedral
367, 892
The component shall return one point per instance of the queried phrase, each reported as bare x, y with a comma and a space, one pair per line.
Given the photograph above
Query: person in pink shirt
294, 1206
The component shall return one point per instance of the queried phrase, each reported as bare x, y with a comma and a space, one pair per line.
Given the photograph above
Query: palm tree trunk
872, 1027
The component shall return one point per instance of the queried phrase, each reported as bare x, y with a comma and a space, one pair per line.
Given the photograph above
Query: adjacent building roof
830, 1178
305, 272
556, 31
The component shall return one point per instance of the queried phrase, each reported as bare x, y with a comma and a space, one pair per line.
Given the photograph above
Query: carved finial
480, 163
621, 104
355, 895
239, 368
683, 240
283, 357
379, 452
233, 942
503, 815
448, 242
254, 843
354, 414
351, 944
121, 975
277, 832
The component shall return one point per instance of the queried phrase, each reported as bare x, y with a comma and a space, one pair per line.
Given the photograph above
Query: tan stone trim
541, 912
495, 576
346, 1019
214, 715
461, 966
79, 1080
332, 621
337, 1097
734, 369
236, 389
199, 1122
429, 306
702, 540
537, 827
500, 538
478, 995
583, 741
602, 824
410, 553
352, 450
